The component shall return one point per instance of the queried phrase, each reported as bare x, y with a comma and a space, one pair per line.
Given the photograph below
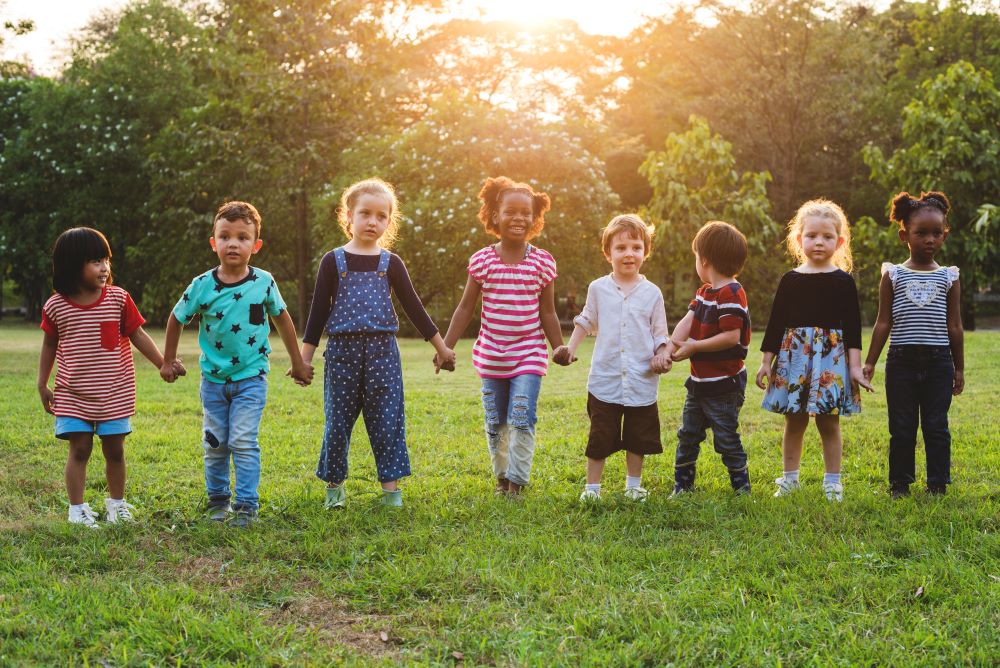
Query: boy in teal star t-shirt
234, 301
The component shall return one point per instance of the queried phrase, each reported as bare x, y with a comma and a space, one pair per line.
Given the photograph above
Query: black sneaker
899, 491
218, 511
937, 489
242, 519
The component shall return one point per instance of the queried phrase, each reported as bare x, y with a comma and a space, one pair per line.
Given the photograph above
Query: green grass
708, 579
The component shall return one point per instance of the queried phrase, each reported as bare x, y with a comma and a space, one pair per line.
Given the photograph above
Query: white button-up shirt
630, 324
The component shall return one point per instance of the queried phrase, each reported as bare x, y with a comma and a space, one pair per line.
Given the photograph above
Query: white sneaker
590, 496
637, 494
834, 491
118, 511
83, 515
785, 487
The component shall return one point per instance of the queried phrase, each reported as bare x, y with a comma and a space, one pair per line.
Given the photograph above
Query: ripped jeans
509, 405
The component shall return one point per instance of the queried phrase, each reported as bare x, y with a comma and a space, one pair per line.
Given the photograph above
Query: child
234, 300
362, 369
814, 339
918, 302
88, 324
626, 313
516, 281
715, 334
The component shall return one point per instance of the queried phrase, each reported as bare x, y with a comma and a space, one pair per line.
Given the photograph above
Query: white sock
76, 506
115, 502
831, 478
792, 476
594, 487
633, 482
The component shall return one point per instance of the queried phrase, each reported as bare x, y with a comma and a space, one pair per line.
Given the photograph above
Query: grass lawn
459, 576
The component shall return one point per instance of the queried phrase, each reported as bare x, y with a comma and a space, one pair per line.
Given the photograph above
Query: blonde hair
634, 226
372, 186
821, 208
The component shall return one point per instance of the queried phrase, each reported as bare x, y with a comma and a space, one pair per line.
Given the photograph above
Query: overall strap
338, 254
383, 262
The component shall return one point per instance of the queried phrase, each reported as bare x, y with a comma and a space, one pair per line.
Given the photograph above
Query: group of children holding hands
811, 363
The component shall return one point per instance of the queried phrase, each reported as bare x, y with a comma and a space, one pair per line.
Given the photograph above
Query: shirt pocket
110, 334
256, 314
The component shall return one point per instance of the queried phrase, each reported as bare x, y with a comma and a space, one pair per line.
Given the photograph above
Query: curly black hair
904, 205
490, 195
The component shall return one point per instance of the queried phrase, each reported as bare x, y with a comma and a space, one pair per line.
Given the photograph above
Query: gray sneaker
219, 511
393, 499
242, 518
336, 497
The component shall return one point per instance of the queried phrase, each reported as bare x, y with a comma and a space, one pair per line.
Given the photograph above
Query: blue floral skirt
811, 375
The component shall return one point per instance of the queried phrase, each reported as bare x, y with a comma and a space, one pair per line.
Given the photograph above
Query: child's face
514, 216
370, 217
96, 274
234, 242
819, 239
924, 234
626, 255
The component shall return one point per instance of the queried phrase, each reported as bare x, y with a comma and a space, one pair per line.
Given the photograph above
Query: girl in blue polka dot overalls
362, 373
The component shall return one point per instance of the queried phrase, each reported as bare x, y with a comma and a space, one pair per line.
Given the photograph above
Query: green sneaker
336, 497
392, 499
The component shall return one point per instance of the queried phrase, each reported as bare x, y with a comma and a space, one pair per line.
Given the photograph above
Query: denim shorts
73, 425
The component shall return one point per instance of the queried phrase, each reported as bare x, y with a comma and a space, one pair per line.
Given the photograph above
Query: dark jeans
918, 382
721, 414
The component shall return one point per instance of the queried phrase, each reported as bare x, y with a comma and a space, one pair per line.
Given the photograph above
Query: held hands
171, 371
858, 379
302, 374
868, 371
683, 351
562, 356
445, 361
764, 372
46, 396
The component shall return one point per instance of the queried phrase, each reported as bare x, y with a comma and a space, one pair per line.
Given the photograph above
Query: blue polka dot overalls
363, 374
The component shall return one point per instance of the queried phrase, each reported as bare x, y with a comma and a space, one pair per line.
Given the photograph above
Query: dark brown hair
73, 249
722, 246
904, 205
493, 190
233, 211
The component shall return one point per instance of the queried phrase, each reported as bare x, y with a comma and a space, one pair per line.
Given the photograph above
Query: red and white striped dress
511, 341
95, 376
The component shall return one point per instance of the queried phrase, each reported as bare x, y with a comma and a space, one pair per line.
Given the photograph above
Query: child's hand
763, 372
446, 362
168, 372
302, 374
662, 363
858, 378
683, 351
46, 395
562, 356
868, 371
179, 369
958, 384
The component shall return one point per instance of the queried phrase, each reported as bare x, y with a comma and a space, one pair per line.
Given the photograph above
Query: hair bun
902, 205
937, 199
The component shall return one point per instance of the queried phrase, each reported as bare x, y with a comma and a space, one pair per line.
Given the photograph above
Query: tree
951, 142
694, 180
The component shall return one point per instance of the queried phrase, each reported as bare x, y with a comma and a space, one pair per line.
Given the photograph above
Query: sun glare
616, 18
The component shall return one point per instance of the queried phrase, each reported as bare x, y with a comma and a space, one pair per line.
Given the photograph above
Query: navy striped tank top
920, 304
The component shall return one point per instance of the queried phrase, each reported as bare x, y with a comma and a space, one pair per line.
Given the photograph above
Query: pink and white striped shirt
511, 341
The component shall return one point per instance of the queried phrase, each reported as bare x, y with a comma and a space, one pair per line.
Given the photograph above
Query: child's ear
211, 242
257, 244
902, 235
840, 242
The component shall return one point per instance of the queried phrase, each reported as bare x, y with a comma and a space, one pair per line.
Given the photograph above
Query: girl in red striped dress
516, 282
88, 325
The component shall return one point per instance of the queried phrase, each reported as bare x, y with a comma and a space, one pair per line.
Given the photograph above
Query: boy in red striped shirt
715, 335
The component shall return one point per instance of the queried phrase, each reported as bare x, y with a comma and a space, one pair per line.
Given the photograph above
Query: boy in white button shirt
626, 313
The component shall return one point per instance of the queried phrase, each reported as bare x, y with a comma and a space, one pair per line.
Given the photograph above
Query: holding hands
562, 356
444, 360
662, 362
302, 373
858, 378
172, 370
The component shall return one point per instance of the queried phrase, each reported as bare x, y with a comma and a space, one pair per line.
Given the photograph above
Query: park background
704, 111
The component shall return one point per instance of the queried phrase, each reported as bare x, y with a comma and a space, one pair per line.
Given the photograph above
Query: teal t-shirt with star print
234, 327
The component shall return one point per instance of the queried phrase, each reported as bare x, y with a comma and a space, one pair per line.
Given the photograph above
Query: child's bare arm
463, 312
46, 360
171, 366
720, 341
566, 355
549, 317
145, 345
883, 325
682, 332
956, 337
301, 372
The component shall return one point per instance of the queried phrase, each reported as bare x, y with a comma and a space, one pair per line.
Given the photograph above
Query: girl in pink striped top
516, 281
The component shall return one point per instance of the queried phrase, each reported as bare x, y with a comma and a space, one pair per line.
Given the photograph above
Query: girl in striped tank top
516, 282
88, 325
918, 304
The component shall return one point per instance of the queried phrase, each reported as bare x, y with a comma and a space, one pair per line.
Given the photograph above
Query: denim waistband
917, 350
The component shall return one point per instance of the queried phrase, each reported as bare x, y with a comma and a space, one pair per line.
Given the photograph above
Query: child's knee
491, 412
520, 417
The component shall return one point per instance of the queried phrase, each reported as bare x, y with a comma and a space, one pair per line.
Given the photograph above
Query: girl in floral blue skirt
812, 347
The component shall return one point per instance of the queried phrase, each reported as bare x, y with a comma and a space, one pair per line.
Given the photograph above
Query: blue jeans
509, 405
232, 413
721, 414
918, 382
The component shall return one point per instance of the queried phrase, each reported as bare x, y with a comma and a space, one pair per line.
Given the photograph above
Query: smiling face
369, 218
234, 241
95, 274
924, 233
819, 239
514, 216
626, 253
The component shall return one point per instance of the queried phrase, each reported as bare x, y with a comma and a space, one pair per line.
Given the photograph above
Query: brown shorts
614, 427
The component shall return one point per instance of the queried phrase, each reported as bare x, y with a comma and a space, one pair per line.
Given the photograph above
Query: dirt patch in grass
370, 635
